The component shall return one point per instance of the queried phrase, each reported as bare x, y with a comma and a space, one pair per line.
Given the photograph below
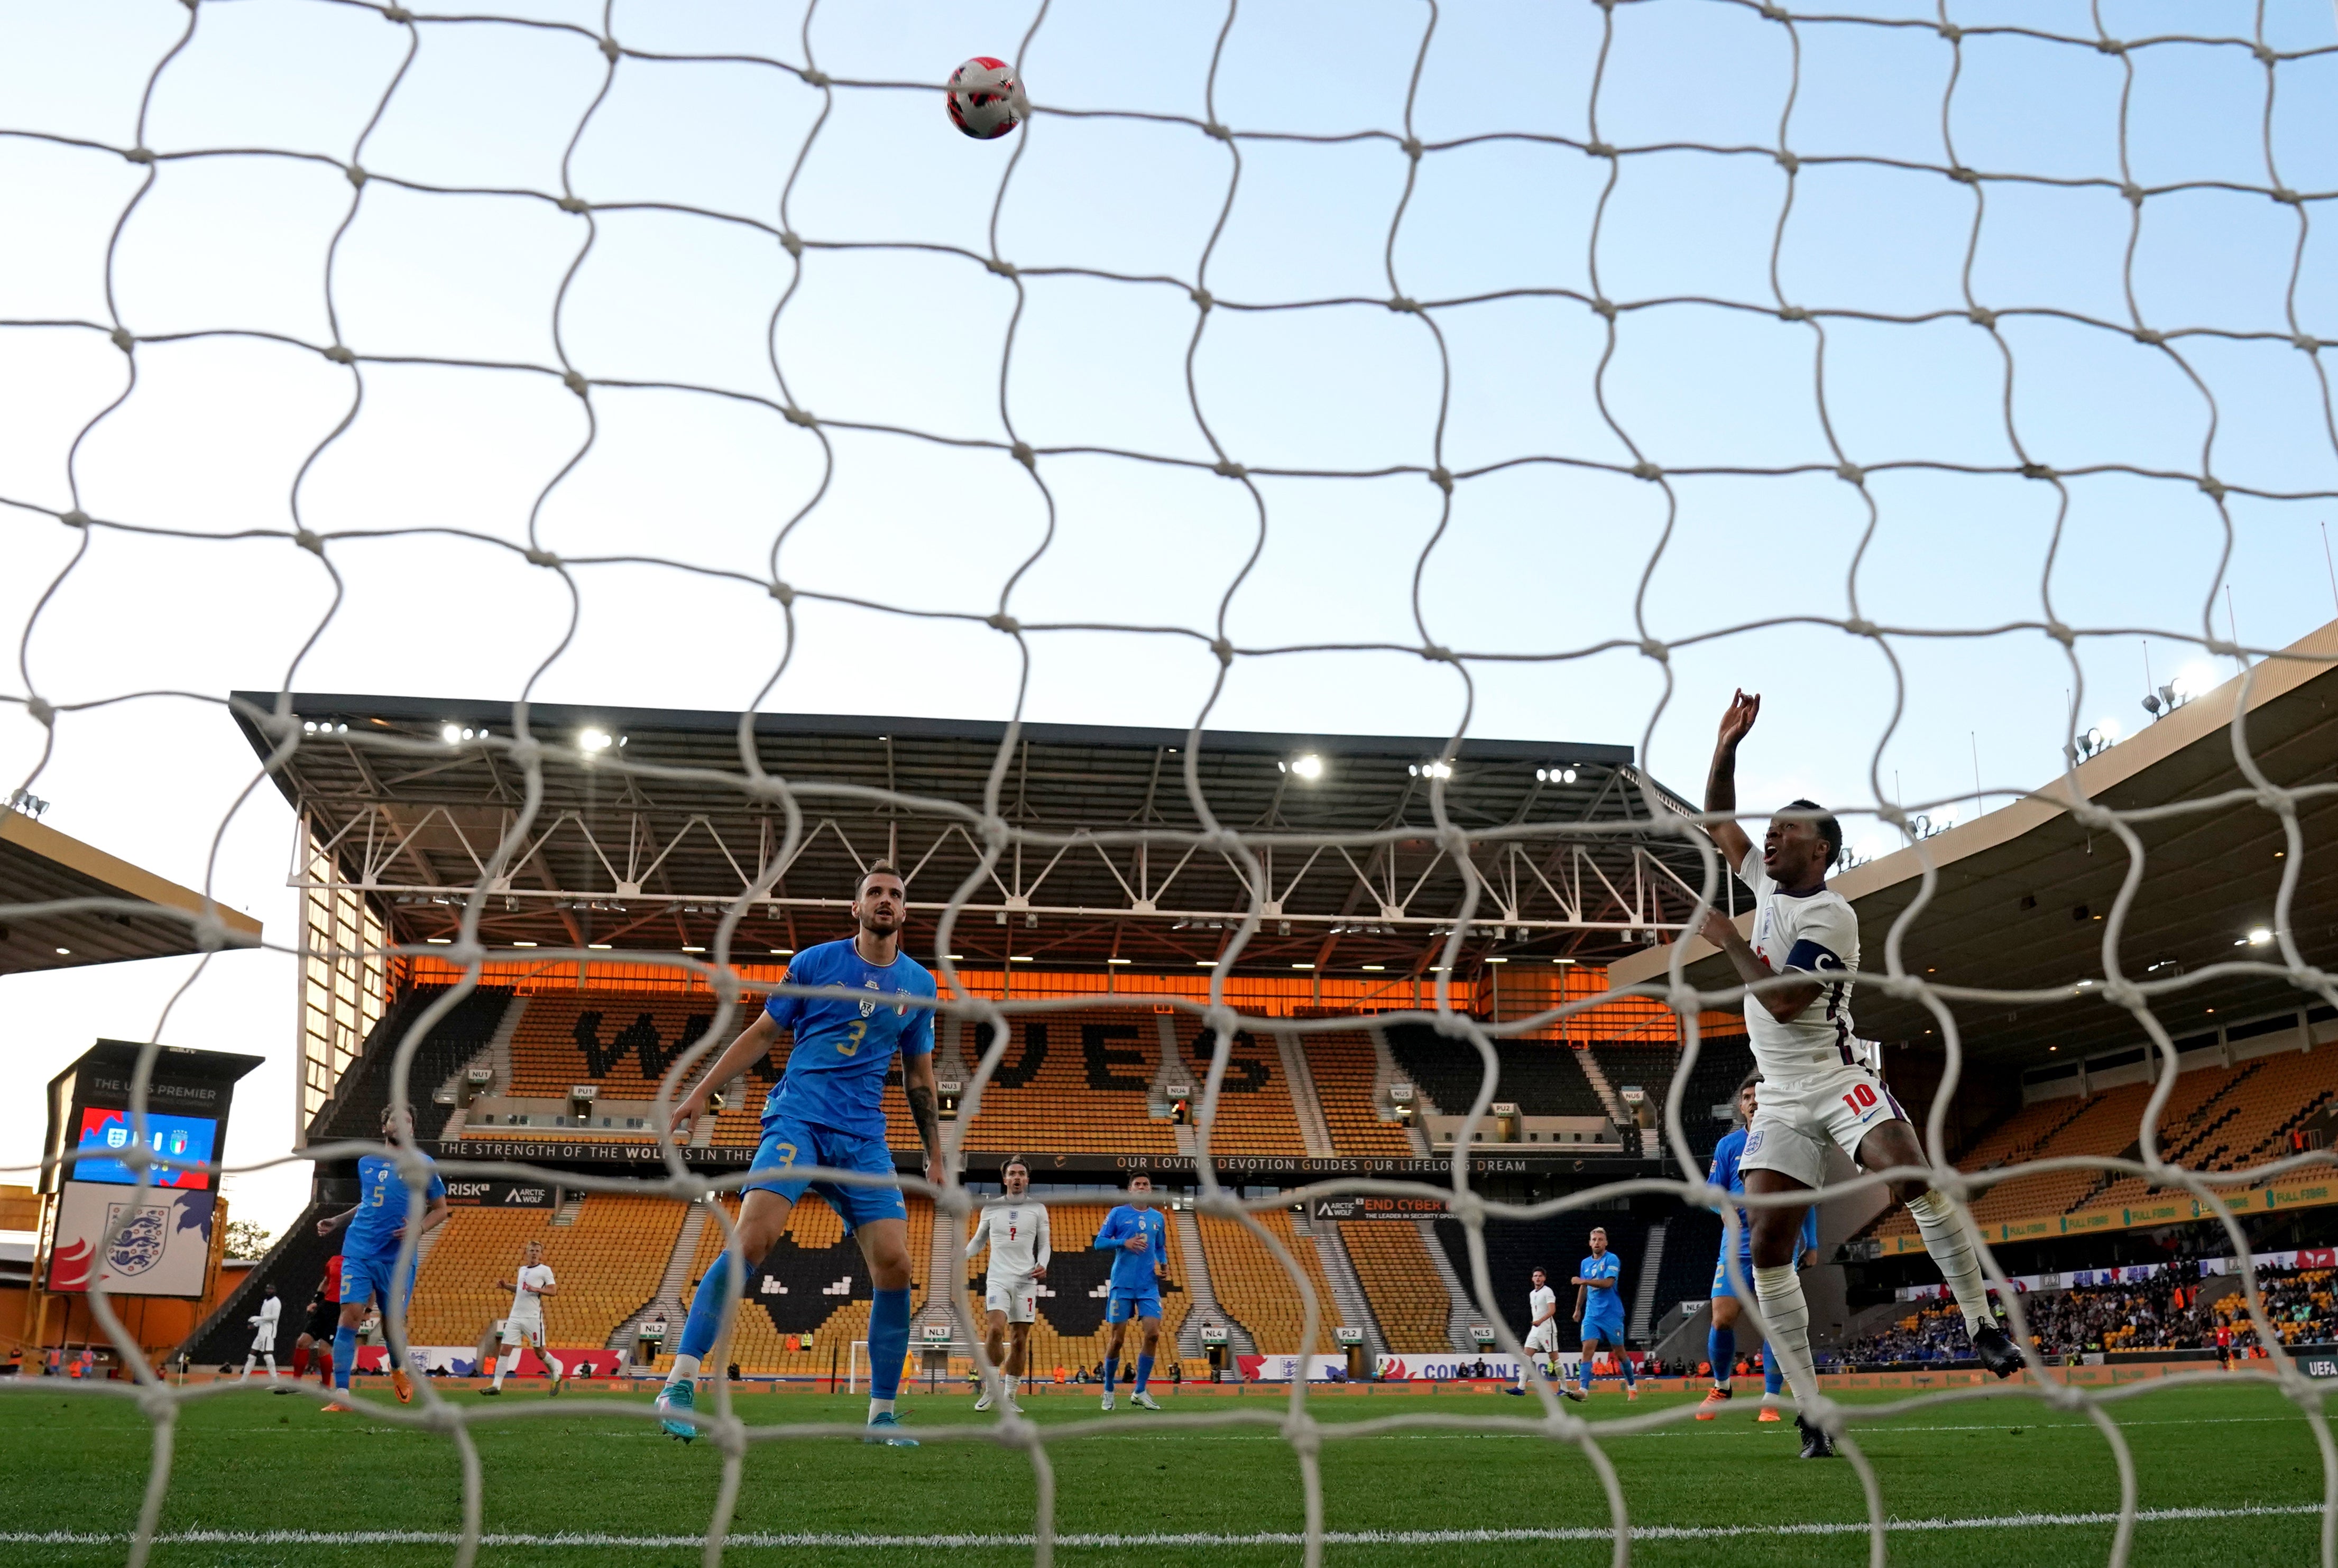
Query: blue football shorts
1122, 1305
788, 1142
1607, 1326
365, 1280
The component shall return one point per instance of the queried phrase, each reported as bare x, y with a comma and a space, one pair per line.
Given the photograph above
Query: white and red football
986, 101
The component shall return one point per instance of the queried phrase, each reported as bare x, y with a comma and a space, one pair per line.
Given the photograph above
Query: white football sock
1788, 1316
549, 1360
685, 1368
1946, 1239
879, 1408
248, 1361
271, 1364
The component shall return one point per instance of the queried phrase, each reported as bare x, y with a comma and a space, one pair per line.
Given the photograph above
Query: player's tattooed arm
917, 1084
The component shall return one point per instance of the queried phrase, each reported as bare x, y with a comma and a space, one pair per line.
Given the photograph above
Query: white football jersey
1016, 1234
1819, 935
526, 1302
1539, 1303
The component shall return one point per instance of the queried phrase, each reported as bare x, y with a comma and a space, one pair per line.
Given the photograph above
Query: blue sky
1539, 558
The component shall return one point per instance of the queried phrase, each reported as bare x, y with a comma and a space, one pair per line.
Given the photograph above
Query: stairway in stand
1201, 1300
1339, 1273
1462, 1317
1643, 1291
945, 1265
669, 1299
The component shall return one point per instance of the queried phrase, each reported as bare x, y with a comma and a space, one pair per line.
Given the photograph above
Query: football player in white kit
1016, 1231
524, 1326
1542, 1334
1815, 1089
263, 1333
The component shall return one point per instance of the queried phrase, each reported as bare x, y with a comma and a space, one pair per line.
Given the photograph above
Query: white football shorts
1800, 1117
1542, 1339
263, 1339
525, 1330
1018, 1299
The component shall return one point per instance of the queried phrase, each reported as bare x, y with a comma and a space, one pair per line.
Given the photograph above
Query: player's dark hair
1830, 830
1013, 1161
1750, 1080
1137, 1176
882, 869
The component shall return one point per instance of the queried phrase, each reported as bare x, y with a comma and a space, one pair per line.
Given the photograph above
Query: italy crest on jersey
868, 1009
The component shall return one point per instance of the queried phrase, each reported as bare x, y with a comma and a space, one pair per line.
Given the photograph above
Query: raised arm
1721, 782
755, 1043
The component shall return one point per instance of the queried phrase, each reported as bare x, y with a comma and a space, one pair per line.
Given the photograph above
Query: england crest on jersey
139, 1247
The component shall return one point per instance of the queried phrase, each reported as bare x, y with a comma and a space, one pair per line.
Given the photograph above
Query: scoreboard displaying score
168, 1138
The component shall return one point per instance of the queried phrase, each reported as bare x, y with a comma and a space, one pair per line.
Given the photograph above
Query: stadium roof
2024, 892
648, 827
40, 865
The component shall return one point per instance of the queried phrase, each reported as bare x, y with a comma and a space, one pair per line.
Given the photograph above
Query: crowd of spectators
2178, 1309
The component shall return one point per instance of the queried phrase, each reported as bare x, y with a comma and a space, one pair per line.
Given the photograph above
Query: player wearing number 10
1814, 1090
829, 1110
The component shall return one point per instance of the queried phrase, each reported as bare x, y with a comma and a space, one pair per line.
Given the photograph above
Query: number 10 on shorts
1861, 1100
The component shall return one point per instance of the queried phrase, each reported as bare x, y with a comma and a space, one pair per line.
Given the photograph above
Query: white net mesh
2208, 327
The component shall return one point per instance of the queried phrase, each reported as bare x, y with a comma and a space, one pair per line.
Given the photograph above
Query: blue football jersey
1600, 1303
1726, 1175
835, 1070
382, 1208
1133, 1273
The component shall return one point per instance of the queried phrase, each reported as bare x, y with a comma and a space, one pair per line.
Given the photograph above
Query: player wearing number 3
1814, 1090
830, 1110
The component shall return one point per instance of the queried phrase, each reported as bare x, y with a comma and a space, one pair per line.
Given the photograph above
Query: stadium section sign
159, 1244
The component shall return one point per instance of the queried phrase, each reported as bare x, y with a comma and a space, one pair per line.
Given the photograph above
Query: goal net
1952, 376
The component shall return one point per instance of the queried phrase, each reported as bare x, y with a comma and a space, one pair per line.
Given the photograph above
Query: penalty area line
751, 1539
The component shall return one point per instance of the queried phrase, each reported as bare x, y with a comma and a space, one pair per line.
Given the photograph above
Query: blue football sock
1144, 1372
345, 1355
888, 1341
1111, 1373
1721, 1349
1623, 1360
705, 1322
1773, 1376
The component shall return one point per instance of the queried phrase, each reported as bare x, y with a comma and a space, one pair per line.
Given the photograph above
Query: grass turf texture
249, 1464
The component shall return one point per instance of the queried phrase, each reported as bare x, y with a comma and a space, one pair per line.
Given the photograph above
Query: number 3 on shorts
1862, 1098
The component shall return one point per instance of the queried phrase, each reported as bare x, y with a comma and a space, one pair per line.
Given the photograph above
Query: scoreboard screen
189, 1138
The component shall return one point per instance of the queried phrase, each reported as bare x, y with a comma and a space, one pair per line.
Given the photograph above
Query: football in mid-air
986, 101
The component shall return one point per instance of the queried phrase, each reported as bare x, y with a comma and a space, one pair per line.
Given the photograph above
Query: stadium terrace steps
355, 1110
1409, 1301
1257, 1290
1542, 1079
1313, 1133
1461, 1313
1349, 1078
1202, 1293
1617, 1112
671, 1297
295, 1264
944, 1261
494, 1056
1332, 1253
1078, 1081
606, 1265
1644, 1295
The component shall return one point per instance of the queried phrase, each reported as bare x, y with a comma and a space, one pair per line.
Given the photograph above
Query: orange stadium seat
1343, 1069
1254, 1114
1407, 1297
608, 1266
1071, 1083
1257, 1292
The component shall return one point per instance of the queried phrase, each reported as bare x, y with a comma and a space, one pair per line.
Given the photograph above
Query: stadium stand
2104, 1124
607, 1265
1545, 1080
1516, 1249
1255, 1116
356, 1107
294, 1265
1073, 1082
1400, 1281
1343, 1068
799, 1313
1256, 1291
2223, 1118
1692, 1243
1721, 1064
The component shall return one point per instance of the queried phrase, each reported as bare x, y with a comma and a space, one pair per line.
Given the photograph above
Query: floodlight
594, 740
1310, 766
451, 734
2259, 937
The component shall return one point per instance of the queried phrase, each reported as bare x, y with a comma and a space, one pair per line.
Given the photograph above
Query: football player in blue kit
829, 1110
1138, 1239
1721, 1340
1599, 1305
370, 1255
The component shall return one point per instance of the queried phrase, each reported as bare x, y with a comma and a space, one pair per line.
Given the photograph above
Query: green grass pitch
2236, 1467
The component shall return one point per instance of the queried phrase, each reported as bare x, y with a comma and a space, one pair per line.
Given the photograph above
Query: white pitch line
1106, 1542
